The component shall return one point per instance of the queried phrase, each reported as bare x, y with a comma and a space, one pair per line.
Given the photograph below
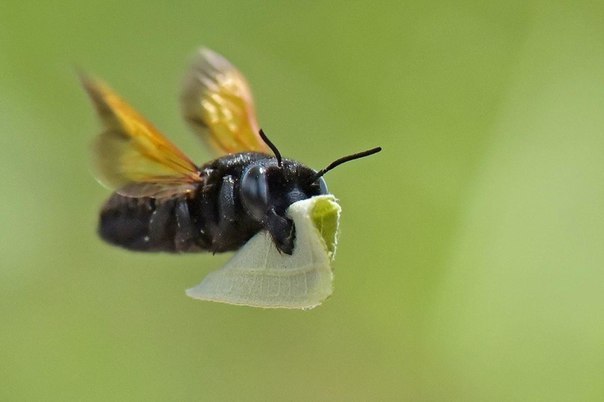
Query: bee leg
185, 236
282, 231
227, 215
226, 205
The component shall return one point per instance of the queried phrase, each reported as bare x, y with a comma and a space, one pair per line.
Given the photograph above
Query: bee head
270, 186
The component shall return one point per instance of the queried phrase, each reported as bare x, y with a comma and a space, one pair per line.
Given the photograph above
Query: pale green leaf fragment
258, 275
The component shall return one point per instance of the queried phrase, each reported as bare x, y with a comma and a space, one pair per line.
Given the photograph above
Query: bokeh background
471, 258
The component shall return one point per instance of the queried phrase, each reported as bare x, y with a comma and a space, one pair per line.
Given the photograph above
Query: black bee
164, 202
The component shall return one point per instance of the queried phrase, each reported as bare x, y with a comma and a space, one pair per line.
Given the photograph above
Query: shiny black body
222, 214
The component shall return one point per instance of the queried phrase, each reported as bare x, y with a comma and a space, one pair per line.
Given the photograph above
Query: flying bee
164, 202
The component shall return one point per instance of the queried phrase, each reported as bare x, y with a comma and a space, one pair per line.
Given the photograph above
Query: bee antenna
272, 147
345, 159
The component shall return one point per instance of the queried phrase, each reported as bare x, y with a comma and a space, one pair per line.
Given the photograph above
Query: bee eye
320, 186
254, 191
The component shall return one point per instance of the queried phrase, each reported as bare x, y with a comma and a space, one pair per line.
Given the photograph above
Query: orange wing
218, 104
131, 155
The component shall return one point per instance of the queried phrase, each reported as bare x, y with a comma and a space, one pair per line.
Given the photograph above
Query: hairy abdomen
146, 224
175, 225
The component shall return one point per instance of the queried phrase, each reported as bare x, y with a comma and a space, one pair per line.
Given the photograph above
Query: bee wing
132, 156
217, 102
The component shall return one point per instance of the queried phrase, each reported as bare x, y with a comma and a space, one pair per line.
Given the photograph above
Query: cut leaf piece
259, 276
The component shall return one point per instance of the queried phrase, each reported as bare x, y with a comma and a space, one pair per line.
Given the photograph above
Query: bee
163, 202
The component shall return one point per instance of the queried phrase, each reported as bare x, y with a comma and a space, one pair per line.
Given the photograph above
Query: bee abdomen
146, 224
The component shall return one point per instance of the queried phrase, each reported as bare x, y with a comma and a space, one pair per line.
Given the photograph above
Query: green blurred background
471, 258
